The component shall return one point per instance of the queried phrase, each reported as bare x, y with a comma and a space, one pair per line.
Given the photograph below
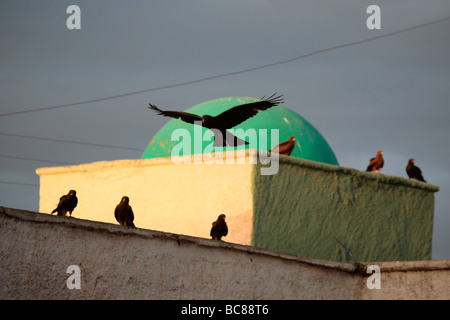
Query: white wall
117, 262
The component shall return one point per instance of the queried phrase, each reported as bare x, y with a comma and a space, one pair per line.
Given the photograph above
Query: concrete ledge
96, 226
118, 262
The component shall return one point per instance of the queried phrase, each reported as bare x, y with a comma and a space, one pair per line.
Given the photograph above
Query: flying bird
226, 120
67, 203
376, 163
413, 171
219, 228
285, 147
124, 213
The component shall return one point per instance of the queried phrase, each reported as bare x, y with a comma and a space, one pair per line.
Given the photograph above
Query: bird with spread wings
226, 120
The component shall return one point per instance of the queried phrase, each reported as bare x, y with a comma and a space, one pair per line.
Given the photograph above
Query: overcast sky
391, 93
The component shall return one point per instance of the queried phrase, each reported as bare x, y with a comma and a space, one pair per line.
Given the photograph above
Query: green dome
310, 144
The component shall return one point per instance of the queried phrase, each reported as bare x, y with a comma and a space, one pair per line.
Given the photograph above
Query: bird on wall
413, 171
376, 163
285, 147
226, 120
219, 228
124, 213
67, 203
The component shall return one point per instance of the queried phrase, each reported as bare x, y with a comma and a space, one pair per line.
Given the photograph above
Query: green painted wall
306, 204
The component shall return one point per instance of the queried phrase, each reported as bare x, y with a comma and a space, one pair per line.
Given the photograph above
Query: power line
20, 183
34, 159
229, 73
69, 141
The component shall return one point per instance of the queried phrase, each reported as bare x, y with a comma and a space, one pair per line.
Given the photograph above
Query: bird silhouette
413, 171
124, 213
226, 120
67, 203
285, 147
376, 163
219, 228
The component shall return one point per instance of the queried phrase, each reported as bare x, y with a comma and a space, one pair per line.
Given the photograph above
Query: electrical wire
20, 183
34, 159
70, 141
229, 73
173, 86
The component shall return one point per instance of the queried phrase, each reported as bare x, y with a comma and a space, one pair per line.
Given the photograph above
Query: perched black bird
124, 214
219, 228
67, 203
285, 147
376, 163
413, 171
226, 120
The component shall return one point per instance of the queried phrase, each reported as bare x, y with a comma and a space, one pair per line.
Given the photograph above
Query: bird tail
54, 211
275, 149
240, 142
234, 141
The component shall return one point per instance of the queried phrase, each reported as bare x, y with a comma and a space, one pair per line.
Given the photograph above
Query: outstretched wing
238, 114
184, 116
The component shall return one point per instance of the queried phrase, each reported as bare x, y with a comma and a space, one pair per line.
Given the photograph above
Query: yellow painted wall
176, 198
